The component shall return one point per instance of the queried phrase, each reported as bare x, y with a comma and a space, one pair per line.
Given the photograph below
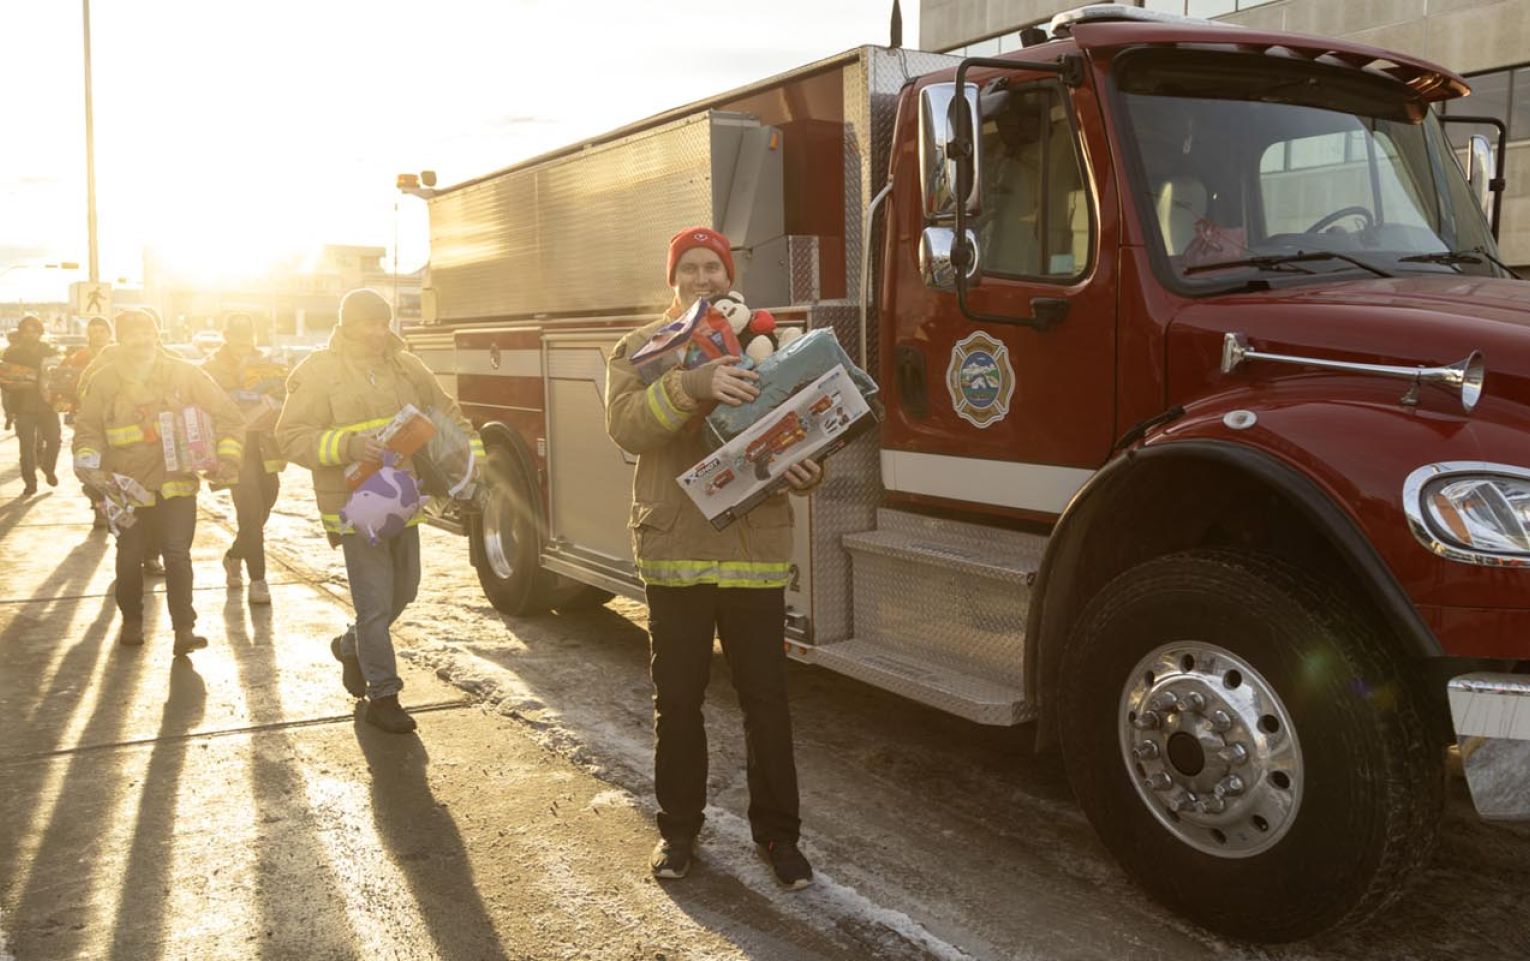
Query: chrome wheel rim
1211, 750
499, 534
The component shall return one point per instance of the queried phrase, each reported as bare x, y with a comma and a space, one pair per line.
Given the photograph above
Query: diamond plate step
965, 695
954, 555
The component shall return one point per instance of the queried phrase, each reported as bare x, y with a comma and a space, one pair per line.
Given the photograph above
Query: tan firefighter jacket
227, 371
340, 391
675, 545
117, 424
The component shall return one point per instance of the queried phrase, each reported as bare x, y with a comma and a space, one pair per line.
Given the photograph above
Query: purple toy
384, 504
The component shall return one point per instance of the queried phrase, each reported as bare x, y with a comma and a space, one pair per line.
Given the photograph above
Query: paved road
232, 806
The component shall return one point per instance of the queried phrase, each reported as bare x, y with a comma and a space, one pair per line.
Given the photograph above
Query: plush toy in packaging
60, 385
782, 374
382, 506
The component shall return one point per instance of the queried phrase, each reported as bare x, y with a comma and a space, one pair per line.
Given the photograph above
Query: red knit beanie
692, 237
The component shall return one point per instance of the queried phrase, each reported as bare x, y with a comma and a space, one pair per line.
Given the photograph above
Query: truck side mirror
939, 131
1481, 170
935, 258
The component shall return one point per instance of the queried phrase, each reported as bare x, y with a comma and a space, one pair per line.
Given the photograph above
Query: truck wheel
1246, 746
509, 539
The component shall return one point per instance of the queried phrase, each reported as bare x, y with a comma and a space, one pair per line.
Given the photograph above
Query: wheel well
1208, 494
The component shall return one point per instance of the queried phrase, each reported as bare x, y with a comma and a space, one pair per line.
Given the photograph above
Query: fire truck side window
1035, 220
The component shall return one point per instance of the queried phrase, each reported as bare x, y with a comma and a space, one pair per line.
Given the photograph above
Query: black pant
751, 622
38, 434
171, 524
253, 497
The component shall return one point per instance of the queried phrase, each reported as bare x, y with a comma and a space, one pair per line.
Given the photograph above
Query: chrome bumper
1491, 714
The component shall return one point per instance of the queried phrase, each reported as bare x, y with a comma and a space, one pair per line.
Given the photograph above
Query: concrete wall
1466, 36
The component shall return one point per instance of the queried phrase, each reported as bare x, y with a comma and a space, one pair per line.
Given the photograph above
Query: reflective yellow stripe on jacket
332, 442
663, 407
230, 448
177, 488
123, 436
721, 573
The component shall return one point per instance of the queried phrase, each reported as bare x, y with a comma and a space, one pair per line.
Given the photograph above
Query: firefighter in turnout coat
702, 582
116, 432
338, 399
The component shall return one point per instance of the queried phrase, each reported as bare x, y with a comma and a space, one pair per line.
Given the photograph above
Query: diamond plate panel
846, 503
975, 698
969, 624
803, 274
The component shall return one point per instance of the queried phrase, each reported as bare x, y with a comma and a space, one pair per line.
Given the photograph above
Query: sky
230, 136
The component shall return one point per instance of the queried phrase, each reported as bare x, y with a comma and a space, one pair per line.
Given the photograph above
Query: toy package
409, 431
186, 437
783, 374
813, 422
120, 496
60, 384
264, 386
18, 376
384, 502
446, 464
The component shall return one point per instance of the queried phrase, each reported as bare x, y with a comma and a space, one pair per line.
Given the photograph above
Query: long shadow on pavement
138, 931
423, 841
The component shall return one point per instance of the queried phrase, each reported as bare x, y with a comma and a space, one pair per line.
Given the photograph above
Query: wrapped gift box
782, 375
816, 420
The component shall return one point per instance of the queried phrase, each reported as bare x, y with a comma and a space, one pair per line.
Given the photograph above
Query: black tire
582, 598
1371, 778
509, 537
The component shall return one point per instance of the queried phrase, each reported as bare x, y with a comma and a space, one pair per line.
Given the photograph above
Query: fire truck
1205, 450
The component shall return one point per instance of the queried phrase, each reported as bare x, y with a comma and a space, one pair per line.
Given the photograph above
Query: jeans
254, 496
384, 579
171, 524
39, 436
751, 622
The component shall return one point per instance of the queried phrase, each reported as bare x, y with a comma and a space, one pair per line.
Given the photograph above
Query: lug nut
1146, 751
1192, 702
1233, 754
1159, 781
1211, 805
1230, 786
1220, 721
1147, 721
1163, 701
1181, 802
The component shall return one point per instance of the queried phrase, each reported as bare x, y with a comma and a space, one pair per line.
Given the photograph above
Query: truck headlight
1471, 511
1481, 513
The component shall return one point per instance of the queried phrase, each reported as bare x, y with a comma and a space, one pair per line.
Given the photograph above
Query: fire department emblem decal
980, 380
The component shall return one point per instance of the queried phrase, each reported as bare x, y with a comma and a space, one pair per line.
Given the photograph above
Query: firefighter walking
238, 367
115, 433
338, 399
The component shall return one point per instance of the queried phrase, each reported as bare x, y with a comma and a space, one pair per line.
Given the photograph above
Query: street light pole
90, 156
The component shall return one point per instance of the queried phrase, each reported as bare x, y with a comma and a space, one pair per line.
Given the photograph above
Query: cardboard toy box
187, 440
813, 422
15, 376
782, 374
404, 435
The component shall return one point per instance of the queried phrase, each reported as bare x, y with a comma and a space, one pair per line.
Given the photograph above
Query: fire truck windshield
1245, 160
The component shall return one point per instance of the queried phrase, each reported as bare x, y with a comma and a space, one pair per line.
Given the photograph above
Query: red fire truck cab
1206, 418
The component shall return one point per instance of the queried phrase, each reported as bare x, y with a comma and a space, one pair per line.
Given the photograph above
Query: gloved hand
363, 447
721, 380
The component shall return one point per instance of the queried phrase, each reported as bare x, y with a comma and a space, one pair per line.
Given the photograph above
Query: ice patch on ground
5, 953
832, 908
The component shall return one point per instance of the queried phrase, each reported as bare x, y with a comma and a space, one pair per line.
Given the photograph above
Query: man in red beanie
701, 583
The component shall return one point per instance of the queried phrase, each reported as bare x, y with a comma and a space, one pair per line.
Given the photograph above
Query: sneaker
233, 571
153, 568
131, 634
51, 478
259, 593
385, 712
791, 869
350, 673
672, 859
186, 642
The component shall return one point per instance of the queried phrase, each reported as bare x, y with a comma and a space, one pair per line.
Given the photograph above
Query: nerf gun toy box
817, 420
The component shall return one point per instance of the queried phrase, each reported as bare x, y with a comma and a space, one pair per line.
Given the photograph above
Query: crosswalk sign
89, 299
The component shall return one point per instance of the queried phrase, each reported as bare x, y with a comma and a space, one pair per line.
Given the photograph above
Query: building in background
1487, 41
295, 302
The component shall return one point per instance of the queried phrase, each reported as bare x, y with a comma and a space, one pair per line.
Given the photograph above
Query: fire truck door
1002, 414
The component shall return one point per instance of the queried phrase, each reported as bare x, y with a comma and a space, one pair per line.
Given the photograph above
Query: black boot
132, 633
385, 712
350, 670
186, 642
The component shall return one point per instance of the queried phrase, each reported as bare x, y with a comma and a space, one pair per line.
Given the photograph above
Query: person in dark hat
37, 426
